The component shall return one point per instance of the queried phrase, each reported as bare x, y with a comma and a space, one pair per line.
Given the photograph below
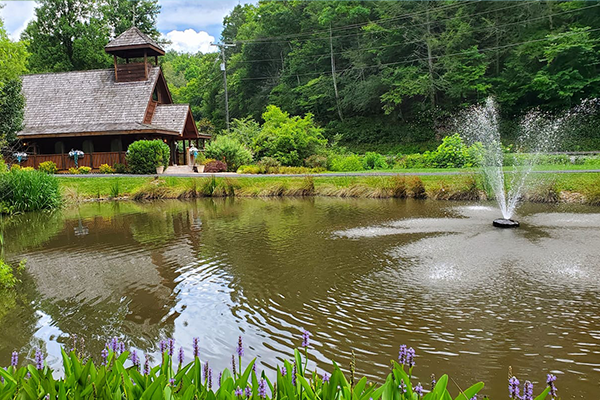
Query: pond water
360, 274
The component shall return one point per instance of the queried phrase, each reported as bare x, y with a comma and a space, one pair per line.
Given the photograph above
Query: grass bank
584, 188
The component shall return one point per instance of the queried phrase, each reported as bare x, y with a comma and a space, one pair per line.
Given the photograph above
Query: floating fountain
538, 134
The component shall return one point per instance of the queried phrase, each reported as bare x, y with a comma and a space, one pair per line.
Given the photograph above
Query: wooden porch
64, 162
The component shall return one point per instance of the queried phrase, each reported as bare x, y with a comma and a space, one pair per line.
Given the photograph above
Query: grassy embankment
570, 187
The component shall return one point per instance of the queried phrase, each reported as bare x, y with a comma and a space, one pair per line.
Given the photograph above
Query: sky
190, 25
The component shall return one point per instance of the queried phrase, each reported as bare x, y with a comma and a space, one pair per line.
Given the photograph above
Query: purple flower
305, 337
238, 392
262, 388
402, 354
206, 372
147, 365
195, 346
433, 382
325, 377
114, 344
172, 381
248, 391
171, 344
294, 375
209, 378
550, 382
410, 357
233, 363
402, 387
254, 368
104, 354
14, 359
135, 360
163, 346
121, 347
283, 371
474, 397
180, 356
240, 348
39, 359
1, 379
513, 388
527, 391
419, 390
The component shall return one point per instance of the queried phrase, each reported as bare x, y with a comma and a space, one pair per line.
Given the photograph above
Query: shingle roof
86, 101
132, 37
171, 116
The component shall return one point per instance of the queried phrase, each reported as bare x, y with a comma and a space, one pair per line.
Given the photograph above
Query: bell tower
133, 45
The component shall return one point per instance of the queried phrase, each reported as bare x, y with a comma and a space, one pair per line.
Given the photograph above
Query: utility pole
337, 96
222, 47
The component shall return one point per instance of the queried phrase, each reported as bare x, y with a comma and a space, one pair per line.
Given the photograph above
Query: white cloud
199, 14
190, 41
16, 16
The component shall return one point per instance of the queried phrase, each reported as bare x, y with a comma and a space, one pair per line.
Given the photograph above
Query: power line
408, 61
483, 29
267, 41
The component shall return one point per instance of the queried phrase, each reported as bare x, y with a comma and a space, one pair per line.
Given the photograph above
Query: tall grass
23, 190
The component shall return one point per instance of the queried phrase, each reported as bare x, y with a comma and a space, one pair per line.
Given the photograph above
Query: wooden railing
132, 72
64, 162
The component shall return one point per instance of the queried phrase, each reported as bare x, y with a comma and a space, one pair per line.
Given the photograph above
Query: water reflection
362, 274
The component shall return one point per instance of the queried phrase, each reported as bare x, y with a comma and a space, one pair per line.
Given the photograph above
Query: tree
70, 35
13, 58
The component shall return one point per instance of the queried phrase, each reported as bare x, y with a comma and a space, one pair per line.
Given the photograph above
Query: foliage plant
316, 161
85, 170
48, 167
124, 375
106, 169
120, 168
346, 163
74, 171
229, 150
144, 156
373, 160
22, 191
288, 139
215, 166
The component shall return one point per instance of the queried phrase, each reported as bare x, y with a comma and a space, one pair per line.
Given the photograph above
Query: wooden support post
145, 65
116, 76
155, 60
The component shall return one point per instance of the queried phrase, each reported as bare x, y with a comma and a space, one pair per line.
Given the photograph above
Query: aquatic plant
118, 376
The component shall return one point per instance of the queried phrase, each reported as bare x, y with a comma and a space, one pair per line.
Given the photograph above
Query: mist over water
538, 133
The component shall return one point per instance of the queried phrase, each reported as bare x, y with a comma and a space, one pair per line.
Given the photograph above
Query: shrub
22, 191
230, 151
144, 156
85, 170
398, 186
3, 166
350, 162
215, 166
7, 277
106, 169
15, 167
316, 161
250, 169
373, 160
288, 139
28, 169
411, 161
269, 162
297, 170
120, 168
73, 171
48, 167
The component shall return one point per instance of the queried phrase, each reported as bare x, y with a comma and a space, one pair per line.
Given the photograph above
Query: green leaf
470, 392
543, 395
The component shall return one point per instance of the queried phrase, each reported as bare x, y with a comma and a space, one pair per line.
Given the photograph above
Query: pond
360, 274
